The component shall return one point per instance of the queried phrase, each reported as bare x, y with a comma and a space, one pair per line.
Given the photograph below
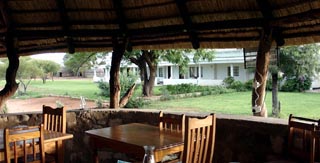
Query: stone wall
238, 138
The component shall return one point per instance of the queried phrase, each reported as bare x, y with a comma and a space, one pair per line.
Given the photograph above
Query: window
235, 70
194, 72
160, 74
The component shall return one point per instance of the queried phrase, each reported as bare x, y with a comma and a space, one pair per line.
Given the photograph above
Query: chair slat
21, 142
54, 119
174, 123
199, 139
302, 129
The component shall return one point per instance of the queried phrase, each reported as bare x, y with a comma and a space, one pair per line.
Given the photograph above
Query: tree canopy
300, 64
82, 61
303, 60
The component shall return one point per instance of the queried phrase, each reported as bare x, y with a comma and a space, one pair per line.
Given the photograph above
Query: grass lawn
66, 87
300, 104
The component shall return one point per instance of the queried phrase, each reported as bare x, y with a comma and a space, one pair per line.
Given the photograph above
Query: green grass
69, 87
300, 104
65, 87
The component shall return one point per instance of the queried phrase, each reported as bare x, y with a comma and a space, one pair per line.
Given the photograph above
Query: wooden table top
136, 134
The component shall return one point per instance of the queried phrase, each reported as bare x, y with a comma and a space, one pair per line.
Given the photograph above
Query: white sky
56, 57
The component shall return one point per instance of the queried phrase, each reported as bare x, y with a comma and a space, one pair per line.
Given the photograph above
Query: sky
56, 57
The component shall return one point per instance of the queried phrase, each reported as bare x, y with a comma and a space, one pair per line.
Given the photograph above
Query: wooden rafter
65, 24
266, 11
121, 19
122, 22
184, 13
3, 17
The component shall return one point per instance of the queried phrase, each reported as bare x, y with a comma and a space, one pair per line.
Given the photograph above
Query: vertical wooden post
114, 82
260, 77
11, 84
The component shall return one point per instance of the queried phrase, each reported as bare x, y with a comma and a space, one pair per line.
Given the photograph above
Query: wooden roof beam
184, 13
122, 21
266, 11
3, 17
65, 26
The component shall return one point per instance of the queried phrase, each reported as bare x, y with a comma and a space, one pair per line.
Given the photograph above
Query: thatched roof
86, 25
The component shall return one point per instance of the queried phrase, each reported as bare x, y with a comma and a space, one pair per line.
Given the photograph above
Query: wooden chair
174, 123
171, 122
54, 119
303, 138
21, 143
199, 139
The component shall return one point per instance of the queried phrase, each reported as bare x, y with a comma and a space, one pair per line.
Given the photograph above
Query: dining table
131, 139
53, 141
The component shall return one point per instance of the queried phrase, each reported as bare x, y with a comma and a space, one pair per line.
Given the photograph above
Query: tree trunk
117, 54
275, 102
44, 78
260, 77
11, 86
141, 63
150, 58
124, 100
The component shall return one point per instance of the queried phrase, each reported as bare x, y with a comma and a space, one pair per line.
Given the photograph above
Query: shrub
228, 81
136, 102
99, 103
126, 81
182, 88
238, 86
165, 95
296, 84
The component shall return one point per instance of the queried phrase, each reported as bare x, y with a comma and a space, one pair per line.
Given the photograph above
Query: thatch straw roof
90, 25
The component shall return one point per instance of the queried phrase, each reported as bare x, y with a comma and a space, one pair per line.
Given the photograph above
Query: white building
227, 62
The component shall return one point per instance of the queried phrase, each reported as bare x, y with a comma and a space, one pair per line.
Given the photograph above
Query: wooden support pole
260, 77
114, 82
11, 84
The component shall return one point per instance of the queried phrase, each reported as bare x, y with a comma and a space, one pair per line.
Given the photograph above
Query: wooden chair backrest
301, 139
171, 122
23, 143
199, 139
54, 119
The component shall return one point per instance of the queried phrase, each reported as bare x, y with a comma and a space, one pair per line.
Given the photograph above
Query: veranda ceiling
89, 25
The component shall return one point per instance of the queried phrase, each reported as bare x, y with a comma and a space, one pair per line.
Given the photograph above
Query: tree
149, 59
27, 71
48, 68
82, 61
299, 63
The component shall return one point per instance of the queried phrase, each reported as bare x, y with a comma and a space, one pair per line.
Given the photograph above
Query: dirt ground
35, 104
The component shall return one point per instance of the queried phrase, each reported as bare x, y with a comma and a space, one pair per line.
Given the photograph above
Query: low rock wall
238, 138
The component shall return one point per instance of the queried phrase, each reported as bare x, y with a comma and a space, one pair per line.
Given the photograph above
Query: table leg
94, 148
59, 151
95, 156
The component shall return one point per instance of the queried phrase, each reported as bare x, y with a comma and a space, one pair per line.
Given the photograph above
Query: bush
238, 86
297, 84
126, 81
135, 102
165, 95
182, 88
228, 81
104, 88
